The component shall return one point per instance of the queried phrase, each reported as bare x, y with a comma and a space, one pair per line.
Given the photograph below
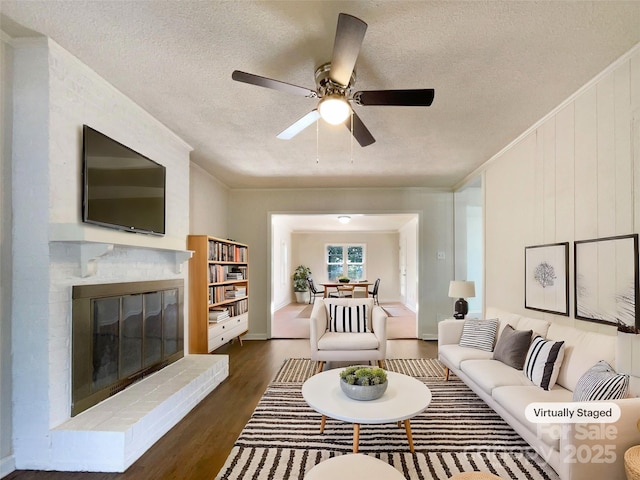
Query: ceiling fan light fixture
334, 109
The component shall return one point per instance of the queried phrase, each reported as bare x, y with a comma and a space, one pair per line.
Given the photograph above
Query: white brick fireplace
53, 251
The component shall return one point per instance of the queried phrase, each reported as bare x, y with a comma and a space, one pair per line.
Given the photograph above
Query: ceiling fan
334, 82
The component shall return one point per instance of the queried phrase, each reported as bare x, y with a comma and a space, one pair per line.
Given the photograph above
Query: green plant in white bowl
363, 375
363, 383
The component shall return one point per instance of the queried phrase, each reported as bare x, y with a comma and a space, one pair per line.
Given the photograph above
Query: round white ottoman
354, 467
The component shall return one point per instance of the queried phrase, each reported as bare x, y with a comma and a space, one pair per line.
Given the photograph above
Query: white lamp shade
334, 109
462, 289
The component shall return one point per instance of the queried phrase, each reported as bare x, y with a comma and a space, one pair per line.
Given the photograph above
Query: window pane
355, 255
334, 254
333, 272
355, 272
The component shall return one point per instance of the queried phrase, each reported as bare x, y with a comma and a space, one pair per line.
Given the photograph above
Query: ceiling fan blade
404, 98
300, 125
252, 79
360, 132
346, 47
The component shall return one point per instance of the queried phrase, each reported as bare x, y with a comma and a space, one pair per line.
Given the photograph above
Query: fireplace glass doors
122, 332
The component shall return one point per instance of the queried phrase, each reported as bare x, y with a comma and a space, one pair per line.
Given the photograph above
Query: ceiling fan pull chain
317, 142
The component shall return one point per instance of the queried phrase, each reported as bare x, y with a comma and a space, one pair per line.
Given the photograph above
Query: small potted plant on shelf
300, 284
363, 383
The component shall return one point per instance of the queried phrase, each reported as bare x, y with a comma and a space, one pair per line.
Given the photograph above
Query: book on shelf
235, 292
217, 314
225, 252
239, 307
221, 273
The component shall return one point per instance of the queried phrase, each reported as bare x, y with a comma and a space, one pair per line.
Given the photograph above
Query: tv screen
122, 188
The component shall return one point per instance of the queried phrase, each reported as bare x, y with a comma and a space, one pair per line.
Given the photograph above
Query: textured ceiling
497, 68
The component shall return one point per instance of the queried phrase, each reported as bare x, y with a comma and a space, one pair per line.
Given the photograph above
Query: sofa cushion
543, 362
480, 334
347, 341
489, 374
512, 347
352, 319
453, 355
601, 382
539, 327
582, 350
503, 316
348, 302
515, 399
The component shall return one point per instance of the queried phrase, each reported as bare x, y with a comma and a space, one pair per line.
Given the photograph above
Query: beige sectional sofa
575, 451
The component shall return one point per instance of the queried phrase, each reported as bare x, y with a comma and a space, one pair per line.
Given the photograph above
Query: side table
475, 476
632, 463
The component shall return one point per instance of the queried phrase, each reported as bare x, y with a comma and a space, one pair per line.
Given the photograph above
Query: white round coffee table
355, 467
405, 398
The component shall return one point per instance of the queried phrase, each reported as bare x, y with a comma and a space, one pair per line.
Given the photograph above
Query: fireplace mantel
94, 243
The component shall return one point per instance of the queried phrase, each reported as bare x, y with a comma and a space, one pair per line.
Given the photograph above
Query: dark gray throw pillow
512, 347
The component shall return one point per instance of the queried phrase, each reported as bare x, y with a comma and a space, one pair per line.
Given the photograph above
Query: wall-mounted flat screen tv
122, 188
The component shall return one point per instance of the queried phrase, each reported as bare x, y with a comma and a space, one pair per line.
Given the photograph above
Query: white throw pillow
480, 334
601, 382
543, 361
351, 319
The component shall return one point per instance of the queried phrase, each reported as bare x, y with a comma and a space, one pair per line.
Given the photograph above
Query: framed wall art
606, 280
546, 280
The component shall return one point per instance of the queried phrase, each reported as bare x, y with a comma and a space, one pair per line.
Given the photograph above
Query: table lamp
461, 289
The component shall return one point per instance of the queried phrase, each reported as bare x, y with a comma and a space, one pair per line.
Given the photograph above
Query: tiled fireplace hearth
114, 433
122, 333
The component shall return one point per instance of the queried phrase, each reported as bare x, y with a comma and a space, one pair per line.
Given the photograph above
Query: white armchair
329, 345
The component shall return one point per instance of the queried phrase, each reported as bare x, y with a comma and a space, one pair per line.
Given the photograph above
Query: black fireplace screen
122, 332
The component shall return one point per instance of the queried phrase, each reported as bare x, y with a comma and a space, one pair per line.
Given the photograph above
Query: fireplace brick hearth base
112, 435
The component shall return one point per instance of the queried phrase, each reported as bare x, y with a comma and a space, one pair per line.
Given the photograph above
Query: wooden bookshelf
218, 283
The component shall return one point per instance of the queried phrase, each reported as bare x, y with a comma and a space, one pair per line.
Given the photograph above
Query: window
346, 260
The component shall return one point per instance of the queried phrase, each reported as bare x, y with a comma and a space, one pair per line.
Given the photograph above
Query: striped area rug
458, 432
299, 369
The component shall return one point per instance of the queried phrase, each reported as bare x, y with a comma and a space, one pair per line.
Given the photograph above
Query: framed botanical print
546, 280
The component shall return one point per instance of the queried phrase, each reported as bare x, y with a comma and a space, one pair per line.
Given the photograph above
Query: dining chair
313, 291
342, 292
374, 292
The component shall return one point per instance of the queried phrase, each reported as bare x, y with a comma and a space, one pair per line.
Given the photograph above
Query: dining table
345, 286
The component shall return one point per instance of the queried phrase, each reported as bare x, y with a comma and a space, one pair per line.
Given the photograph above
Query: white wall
282, 264
6, 104
381, 257
574, 176
469, 242
408, 240
54, 95
252, 210
208, 204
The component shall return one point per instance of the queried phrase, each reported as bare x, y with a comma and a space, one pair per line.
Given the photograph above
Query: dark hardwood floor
197, 447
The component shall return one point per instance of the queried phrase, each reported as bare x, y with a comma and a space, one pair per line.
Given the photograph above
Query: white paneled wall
573, 176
